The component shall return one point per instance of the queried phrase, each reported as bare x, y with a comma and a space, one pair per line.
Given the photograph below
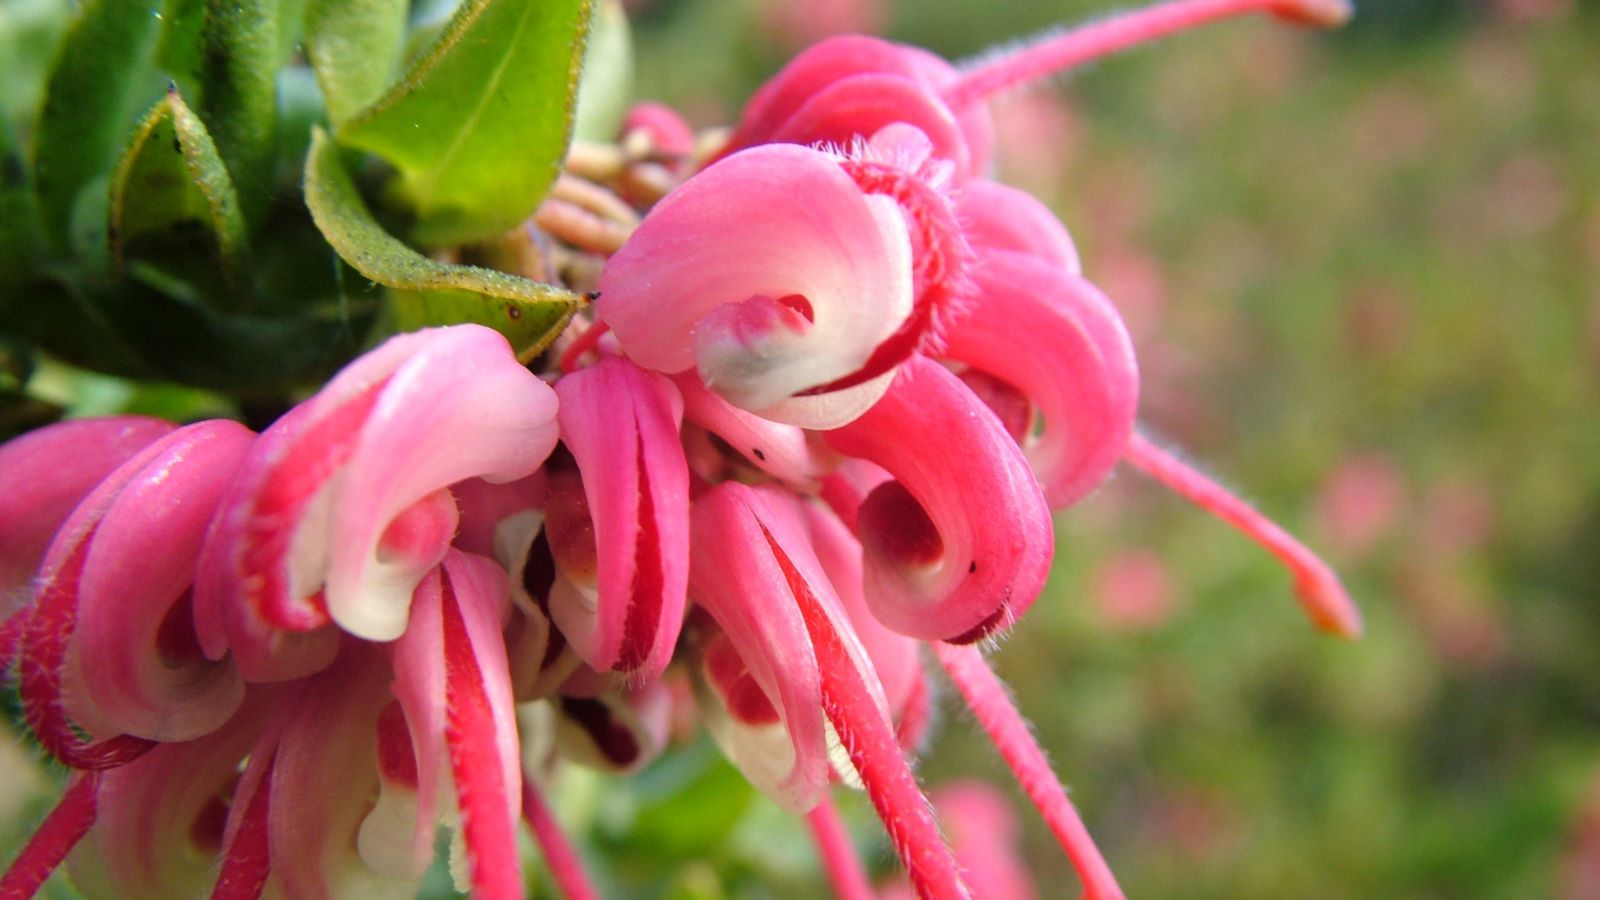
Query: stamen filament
873, 750
1316, 586
583, 343
62, 829
1012, 736
1058, 52
559, 854
247, 864
838, 853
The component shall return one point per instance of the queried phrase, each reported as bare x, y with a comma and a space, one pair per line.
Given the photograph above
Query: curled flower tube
621, 423
1053, 337
43, 476
959, 543
615, 729
771, 273
343, 505
998, 217
142, 667
153, 686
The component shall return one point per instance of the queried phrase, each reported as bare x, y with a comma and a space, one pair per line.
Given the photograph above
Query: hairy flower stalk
832, 385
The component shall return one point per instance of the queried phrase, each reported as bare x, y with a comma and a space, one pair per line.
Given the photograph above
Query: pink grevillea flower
771, 273
343, 506
618, 521
43, 476
959, 543
109, 626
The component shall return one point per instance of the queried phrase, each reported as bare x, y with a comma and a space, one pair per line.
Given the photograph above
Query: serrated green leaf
354, 46
607, 83
479, 125
172, 186
19, 216
239, 94
428, 292
103, 73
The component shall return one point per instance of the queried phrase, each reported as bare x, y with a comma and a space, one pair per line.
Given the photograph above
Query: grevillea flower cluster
808, 439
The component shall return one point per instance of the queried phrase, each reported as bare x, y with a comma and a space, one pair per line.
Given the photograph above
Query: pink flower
770, 273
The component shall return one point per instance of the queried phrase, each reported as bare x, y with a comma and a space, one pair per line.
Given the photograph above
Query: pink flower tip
1327, 602
1316, 13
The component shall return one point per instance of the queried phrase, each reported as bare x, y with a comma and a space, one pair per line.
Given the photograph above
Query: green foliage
103, 73
354, 47
427, 292
606, 88
239, 58
172, 196
480, 123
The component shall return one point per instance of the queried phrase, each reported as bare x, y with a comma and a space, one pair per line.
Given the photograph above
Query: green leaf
170, 186
428, 292
239, 96
102, 75
19, 216
479, 125
178, 51
29, 32
354, 46
607, 83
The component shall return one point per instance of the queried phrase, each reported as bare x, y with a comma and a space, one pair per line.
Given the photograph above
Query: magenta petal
960, 543
997, 217
772, 273
144, 670
43, 476
1058, 340
621, 425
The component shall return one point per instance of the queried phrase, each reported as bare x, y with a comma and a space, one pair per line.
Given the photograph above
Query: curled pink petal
1059, 341
621, 425
144, 669
857, 106
958, 545
43, 476
772, 273
339, 509
54, 619
777, 103
997, 217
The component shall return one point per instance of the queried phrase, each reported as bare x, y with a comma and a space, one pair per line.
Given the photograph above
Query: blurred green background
1363, 274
